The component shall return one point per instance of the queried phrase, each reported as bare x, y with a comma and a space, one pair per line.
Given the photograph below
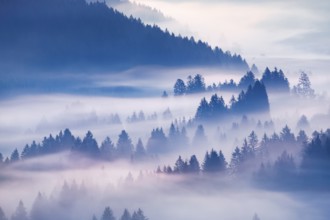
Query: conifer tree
108, 214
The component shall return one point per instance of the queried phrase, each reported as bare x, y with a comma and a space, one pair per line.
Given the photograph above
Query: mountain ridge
74, 33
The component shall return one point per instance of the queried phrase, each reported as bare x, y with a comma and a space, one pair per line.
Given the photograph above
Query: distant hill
75, 34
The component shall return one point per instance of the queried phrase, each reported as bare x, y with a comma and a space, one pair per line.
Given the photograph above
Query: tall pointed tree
124, 145
20, 213
126, 215
108, 214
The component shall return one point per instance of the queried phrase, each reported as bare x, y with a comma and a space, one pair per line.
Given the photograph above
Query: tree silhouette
179, 87
303, 88
108, 214
180, 166
254, 69
194, 166
214, 162
196, 84
124, 145
126, 215
157, 142
14, 156
39, 209
247, 80
107, 149
20, 213
140, 152
89, 145
138, 215
275, 81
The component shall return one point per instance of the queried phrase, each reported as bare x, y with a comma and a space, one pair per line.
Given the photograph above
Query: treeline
124, 148
63, 206
268, 170
275, 81
251, 150
159, 142
140, 116
77, 34
254, 100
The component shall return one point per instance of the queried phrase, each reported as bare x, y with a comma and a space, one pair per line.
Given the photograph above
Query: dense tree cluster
194, 85
272, 157
92, 34
88, 146
316, 159
157, 143
275, 81
254, 100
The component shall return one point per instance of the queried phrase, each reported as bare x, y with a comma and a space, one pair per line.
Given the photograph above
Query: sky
254, 28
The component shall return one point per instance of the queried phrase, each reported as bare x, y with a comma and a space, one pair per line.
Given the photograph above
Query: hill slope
73, 33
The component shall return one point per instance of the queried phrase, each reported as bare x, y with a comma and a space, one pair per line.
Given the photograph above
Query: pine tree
20, 213
14, 156
303, 89
126, 215
140, 151
108, 214
107, 149
157, 143
179, 165
179, 87
124, 145
138, 215
67, 140
164, 95
253, 141
222, 162
236, 160
214, 162
247, 80
194, 166
89, 145
39, 209
286, 135
203, 111
26, 152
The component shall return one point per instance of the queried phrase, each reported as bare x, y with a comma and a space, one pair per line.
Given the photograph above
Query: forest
157, 110
74, 34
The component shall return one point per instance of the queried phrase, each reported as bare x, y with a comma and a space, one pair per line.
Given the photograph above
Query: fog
255, 29
159, 196
29, 117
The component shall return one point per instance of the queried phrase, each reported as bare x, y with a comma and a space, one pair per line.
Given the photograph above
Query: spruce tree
108, 214
20, 213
